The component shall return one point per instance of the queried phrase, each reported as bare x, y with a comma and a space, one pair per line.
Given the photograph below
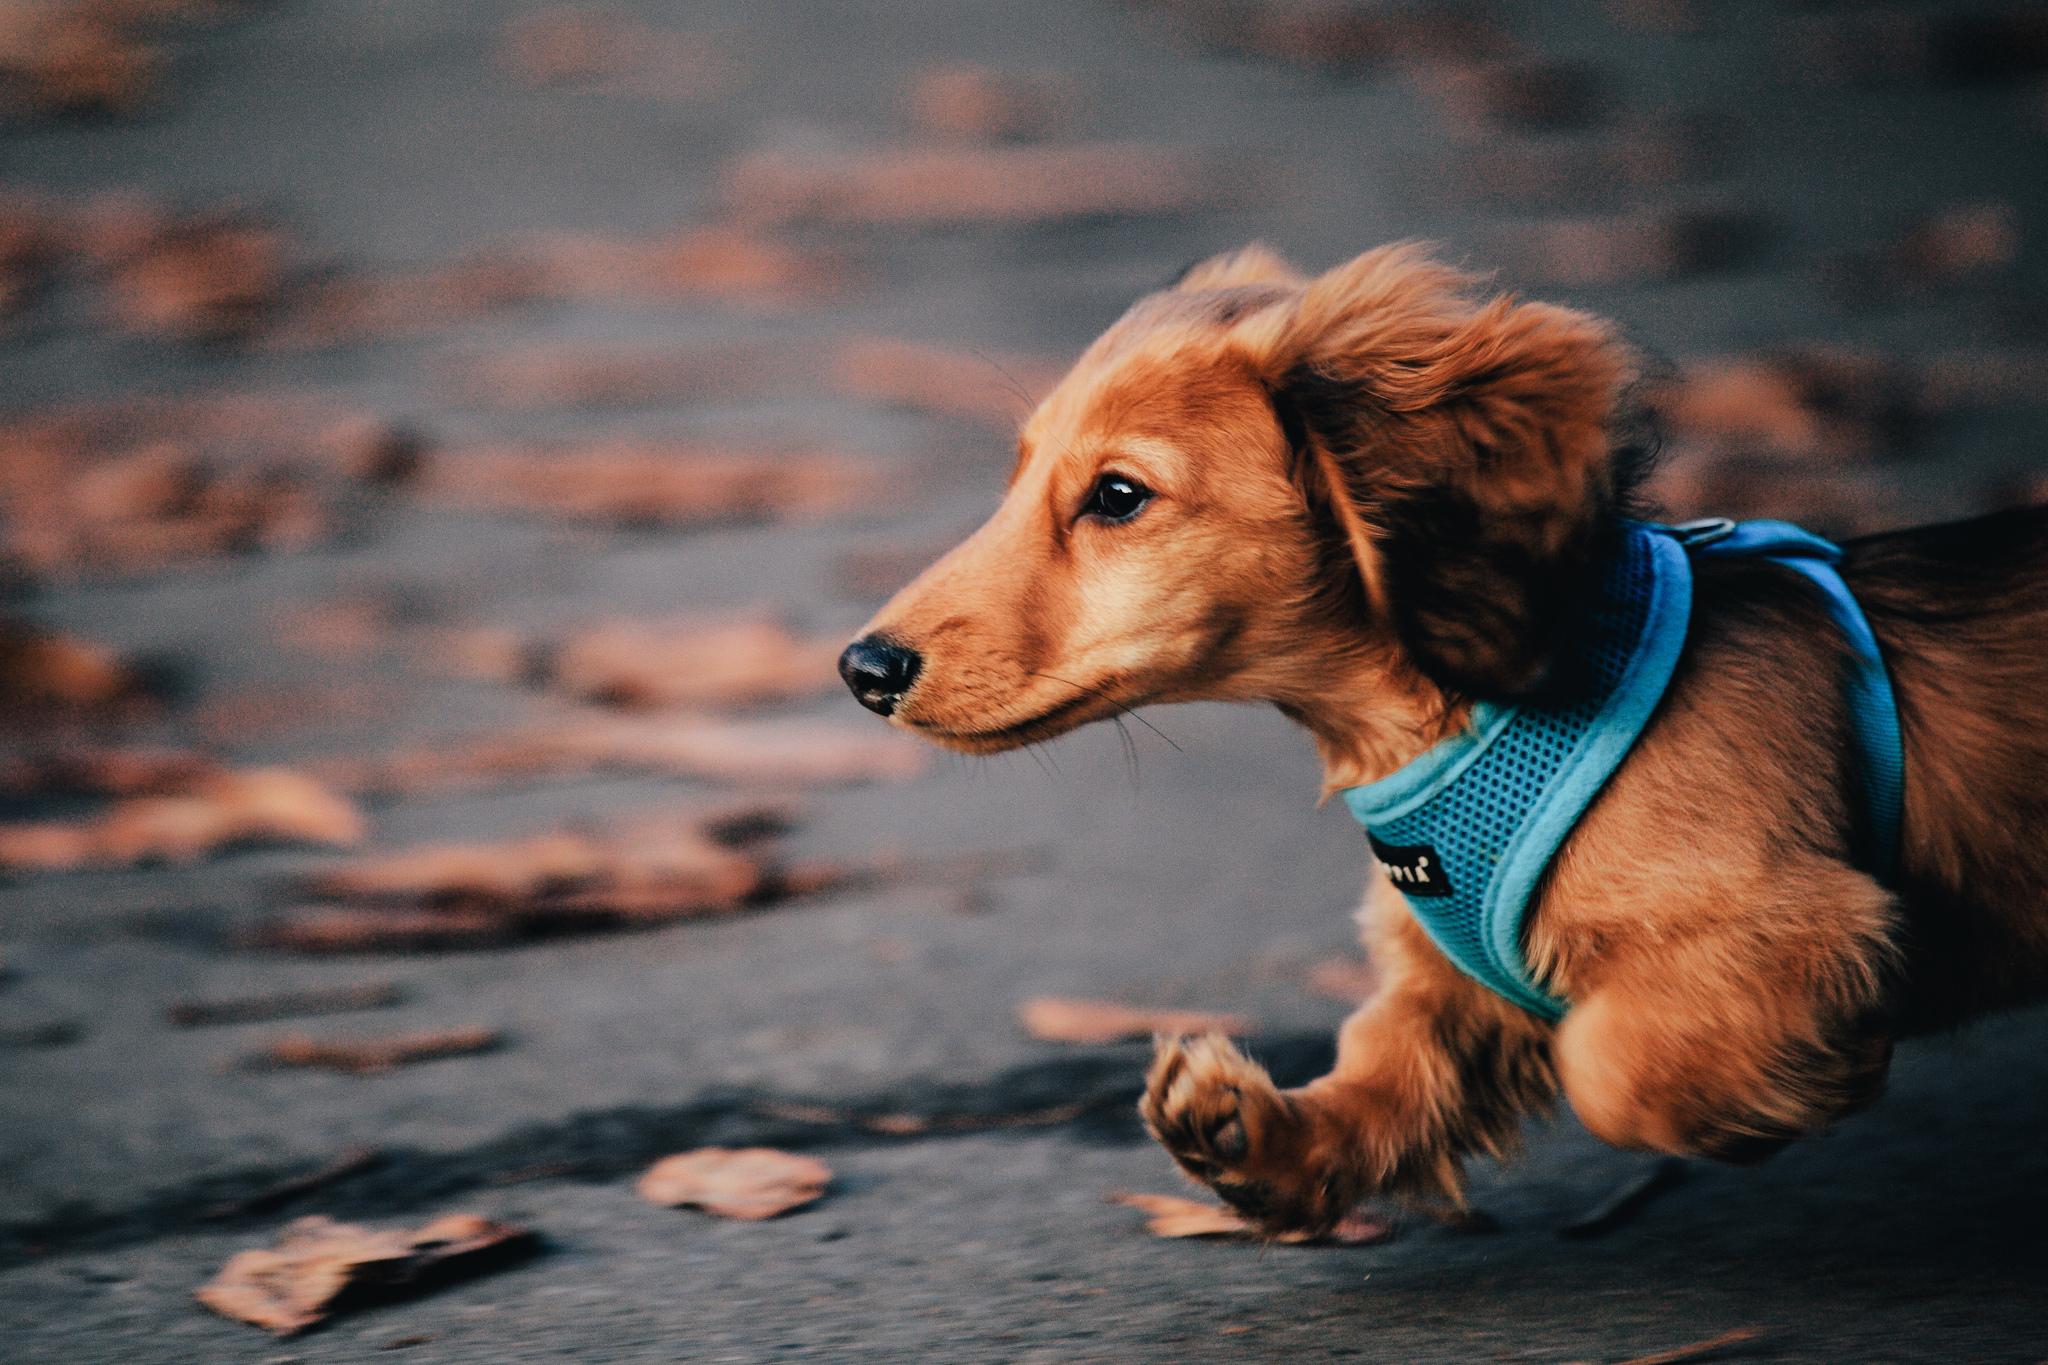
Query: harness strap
1873, 711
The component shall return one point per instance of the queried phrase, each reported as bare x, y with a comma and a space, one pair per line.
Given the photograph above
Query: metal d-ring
1705, 531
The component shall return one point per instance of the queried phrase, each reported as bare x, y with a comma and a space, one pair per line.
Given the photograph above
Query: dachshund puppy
1372, 498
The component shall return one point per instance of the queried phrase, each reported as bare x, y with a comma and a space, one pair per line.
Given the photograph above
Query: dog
1371, 499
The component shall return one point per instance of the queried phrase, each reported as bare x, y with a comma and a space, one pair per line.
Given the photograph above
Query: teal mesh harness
1467, 829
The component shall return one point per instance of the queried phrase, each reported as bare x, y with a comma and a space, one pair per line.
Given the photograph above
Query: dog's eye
1117, 497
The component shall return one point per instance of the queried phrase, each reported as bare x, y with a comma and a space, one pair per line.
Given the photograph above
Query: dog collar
1467, 830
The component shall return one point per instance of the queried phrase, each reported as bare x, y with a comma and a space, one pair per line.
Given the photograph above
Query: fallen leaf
751, 1183
45, 675
364, 1056
610, 376
778, 753
141, 484
1669, 244
650, 484
1058, 1019
1006, 186
1338, 39
320, 1267
97, 771
571, 46
732, 663
219, 811
1172, 1216
963, 100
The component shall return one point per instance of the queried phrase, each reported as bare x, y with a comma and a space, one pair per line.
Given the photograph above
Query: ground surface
388, 134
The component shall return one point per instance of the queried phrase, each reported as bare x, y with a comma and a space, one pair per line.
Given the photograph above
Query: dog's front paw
1269, 1155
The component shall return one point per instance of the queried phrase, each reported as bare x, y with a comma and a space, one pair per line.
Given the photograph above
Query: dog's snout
879, 671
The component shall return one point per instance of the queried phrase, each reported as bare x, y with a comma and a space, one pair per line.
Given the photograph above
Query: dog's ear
1253, 264
1461, 447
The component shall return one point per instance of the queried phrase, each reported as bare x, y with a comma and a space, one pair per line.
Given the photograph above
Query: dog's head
1368, 494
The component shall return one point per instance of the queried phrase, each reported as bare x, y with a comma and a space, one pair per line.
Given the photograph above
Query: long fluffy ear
1462, 448
1253, 264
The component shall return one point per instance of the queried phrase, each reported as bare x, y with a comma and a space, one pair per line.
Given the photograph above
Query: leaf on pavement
1172, 1216
320, 1267
219, 811
1059, 1019
751, 1183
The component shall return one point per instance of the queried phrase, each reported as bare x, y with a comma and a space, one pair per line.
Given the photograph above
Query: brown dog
1370, 499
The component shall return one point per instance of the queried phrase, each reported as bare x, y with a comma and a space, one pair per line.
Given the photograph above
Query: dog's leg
1432, 1068
1728, 1042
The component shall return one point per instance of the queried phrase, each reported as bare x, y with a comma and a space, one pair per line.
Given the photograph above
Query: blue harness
1467, 829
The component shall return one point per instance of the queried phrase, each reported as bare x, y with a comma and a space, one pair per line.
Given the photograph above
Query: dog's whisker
1122, 709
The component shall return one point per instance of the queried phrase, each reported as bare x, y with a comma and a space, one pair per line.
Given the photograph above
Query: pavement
1198, 873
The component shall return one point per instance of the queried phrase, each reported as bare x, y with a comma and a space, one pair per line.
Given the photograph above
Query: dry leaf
968, 101
1056, 1019
1172, 1216
365, 1056
752, 1183
609, 376
97, 771
718, 663
1632, 248
46, 676
777, 753
1008, 186
219, 811
320, 1267
1338, 39
571, 46
650, 484
141, 484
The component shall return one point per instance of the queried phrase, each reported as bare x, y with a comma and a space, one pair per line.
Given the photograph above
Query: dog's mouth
1045, 725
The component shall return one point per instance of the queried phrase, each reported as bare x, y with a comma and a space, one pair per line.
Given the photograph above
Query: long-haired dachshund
1372, 498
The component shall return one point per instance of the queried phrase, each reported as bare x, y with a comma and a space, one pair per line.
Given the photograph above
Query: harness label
1415, 869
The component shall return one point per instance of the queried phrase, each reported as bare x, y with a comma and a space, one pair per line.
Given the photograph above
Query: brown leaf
647, 484
320, 1267
1058, 1019
968, 101
611, 376
134, 485
48, 676
1631, 248
751, 1183
219, 811
711, 663
571, 46
364, 1056
1172, 1216
1009, 186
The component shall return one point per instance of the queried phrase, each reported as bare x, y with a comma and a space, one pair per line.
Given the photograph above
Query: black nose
879, 671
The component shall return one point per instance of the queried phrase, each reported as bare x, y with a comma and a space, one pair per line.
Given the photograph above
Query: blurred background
445, 443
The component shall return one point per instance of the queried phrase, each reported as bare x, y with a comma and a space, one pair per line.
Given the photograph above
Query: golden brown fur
1373, 501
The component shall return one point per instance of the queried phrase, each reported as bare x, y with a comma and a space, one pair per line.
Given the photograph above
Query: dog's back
1961, 611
